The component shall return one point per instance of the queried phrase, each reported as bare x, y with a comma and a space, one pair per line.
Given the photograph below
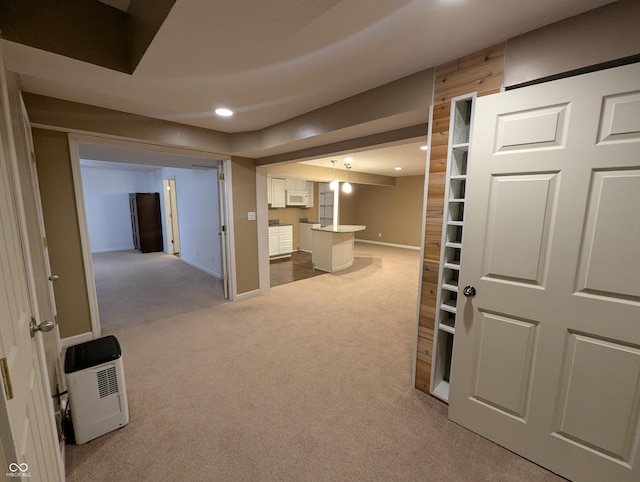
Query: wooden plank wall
480, 72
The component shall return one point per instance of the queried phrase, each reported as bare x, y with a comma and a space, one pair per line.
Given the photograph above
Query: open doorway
136, 286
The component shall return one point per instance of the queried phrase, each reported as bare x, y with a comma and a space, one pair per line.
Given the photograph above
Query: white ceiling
381, 160
273, 60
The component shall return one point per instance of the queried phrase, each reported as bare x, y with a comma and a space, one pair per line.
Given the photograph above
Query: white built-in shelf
452, 265
450, 287
448, 324
453, 226
448, 306
441, 390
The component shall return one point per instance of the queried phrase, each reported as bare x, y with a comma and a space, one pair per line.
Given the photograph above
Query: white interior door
42, 277
171, 215
173, 203
27, 430
546, 357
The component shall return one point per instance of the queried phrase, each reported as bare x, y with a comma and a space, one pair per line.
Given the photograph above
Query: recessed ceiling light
398, 168
424, 148
348, 159
224, 112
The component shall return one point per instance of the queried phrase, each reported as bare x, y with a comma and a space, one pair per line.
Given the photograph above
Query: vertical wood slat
481, 72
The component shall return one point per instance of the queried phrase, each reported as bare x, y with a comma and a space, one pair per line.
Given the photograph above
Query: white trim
112, 250
425, 199
248, 294
231, 250
74, 340
262, 220
393, 245
92, 295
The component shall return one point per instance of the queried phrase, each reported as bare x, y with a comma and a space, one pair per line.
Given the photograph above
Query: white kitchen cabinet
309, 188
292, 184
274, 245
280, 241
285, 239
278, 193
304, 238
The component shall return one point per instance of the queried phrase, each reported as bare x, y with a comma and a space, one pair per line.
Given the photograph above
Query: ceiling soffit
94, 32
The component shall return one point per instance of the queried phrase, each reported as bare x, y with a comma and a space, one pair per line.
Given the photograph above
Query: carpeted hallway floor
310, 382
133, 287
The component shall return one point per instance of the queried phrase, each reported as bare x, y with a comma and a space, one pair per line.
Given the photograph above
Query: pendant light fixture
333, 185
346, 187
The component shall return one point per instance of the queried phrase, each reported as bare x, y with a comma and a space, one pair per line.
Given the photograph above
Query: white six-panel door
27, 430
546, 359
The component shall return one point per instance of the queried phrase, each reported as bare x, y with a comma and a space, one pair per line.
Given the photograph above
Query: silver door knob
469, 291
44, 327
54, 277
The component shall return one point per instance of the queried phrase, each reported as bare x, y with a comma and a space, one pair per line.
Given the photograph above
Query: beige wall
245, 231
601, 35
395, 212
349, 207
63, 232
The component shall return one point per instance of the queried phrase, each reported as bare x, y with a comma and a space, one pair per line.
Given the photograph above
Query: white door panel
546, 357
28, 436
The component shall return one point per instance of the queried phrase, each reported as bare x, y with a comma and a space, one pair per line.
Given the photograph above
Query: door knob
469, 291
54, 277
44, 327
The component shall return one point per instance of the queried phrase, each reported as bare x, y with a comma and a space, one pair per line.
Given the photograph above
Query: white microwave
297, 198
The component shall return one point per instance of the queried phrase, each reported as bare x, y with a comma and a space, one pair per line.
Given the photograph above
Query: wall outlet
379, 235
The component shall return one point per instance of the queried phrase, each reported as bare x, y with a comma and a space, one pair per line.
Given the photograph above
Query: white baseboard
111, 250
248, 294
201, 268
393, 245
74, 340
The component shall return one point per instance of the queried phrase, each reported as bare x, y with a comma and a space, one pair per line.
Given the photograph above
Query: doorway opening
189, 269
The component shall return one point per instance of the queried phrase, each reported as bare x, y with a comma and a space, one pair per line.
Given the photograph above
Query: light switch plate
252, 216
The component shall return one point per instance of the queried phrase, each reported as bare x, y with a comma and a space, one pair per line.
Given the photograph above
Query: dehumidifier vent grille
107, 382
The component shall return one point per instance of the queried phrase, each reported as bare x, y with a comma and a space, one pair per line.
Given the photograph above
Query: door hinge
224, 228
221, 176
44, 242
6, 378
33, 157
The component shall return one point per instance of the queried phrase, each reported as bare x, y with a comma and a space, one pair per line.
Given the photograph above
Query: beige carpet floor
310, 382
133, 287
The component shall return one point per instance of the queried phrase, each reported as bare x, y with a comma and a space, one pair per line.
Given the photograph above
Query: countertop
281, 224
341, 228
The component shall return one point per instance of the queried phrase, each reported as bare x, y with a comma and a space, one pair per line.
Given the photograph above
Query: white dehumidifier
95, 381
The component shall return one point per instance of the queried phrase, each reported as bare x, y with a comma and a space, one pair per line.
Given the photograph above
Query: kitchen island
332, 246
